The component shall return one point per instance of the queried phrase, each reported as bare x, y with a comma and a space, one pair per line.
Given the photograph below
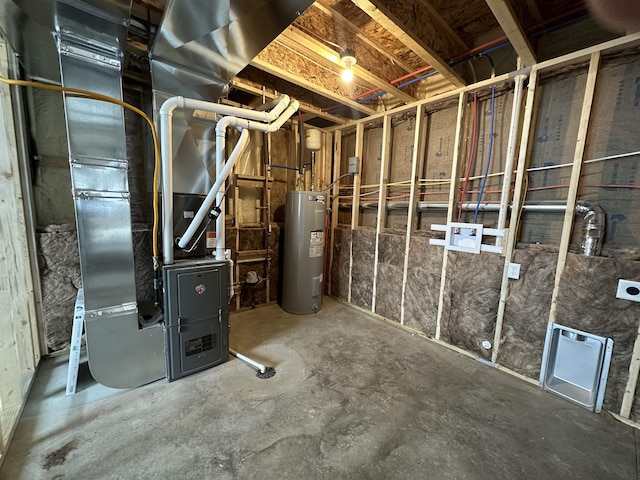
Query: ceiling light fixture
348, 59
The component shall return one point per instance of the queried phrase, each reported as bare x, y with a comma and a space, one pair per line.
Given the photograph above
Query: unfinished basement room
298, 240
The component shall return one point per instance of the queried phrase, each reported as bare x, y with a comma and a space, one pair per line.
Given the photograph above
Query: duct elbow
593, 218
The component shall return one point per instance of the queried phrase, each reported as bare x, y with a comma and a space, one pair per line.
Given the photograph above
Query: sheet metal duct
90, 44
201, 44
199, 47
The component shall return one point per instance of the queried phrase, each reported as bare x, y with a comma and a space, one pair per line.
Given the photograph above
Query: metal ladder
76, 344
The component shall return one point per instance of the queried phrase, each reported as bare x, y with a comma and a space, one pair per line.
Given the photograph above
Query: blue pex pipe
486, 170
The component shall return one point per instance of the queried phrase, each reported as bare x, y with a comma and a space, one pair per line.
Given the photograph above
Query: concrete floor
353, 398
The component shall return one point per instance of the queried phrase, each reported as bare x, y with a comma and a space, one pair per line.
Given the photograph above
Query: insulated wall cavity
586, 301
363, 248
471, 296
527, 310
340, 265
390, 271
423, 285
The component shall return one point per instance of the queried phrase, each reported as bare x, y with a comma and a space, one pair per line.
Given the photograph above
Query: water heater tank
303, 252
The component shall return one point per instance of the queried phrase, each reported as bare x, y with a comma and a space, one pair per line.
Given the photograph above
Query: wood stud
574, 182
518, 200
453, 191
417, 164
382, 200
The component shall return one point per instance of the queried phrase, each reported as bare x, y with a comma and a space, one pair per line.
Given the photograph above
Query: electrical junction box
628, 290
354, 163
196, 314
513, 271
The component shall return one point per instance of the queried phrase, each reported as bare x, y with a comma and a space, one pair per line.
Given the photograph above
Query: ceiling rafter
388, 15
314, 48
347, 24
296, 69
444, 24
506, 17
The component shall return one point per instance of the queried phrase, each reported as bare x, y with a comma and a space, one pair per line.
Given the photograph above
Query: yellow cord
77, 92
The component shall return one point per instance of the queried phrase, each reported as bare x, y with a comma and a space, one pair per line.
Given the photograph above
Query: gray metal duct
202, 44
81, 43
90, 42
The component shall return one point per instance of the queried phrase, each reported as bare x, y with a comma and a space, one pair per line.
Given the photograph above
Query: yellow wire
77, 92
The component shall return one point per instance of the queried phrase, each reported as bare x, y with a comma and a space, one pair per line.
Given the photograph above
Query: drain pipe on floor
263, 372
592, 229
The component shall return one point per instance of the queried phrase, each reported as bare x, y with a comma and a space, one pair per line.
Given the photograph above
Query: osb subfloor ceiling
406, 50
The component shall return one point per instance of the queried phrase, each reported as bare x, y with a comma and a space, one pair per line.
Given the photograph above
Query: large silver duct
90, 41
80, 43
199, 47
202, 44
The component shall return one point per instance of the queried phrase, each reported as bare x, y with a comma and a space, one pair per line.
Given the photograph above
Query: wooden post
19, 347
417, 164
335, 201
382, 199
355, 203
632, 382
452, 202
581, 141
518, 200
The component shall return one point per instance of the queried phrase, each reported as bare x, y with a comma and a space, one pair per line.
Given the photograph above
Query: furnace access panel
196, 312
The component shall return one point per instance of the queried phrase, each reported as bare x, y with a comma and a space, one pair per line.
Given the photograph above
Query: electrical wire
336, 181
80, 93
486, 170
471, 154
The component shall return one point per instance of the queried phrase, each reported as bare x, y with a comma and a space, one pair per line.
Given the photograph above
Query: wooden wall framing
19, 331
590, 56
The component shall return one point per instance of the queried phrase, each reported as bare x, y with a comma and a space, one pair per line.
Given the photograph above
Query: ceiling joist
444, 24
283, 63
396, 17
344, 22
506, 17
315, 48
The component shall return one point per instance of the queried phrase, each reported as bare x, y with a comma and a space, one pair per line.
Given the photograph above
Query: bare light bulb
347, 75
348, 59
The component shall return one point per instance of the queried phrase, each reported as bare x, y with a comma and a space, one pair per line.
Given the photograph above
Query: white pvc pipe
266, 117
166, 155
166, 114
511, 154
209, 199
221, 127
259, 366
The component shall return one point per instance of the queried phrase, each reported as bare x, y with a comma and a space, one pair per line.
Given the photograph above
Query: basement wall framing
19, 331
621, 390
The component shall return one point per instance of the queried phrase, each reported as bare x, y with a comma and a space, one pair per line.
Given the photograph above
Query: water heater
303, 253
